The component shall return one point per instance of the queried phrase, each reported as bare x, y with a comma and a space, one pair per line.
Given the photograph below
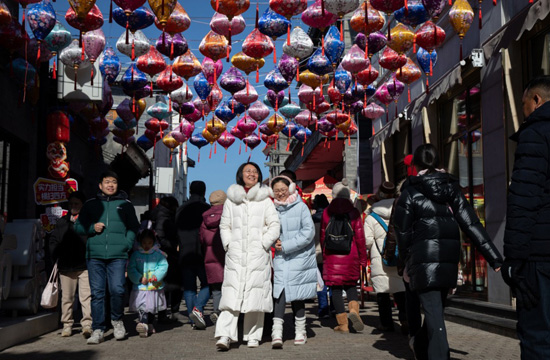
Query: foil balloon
367, 76
151, 63
391, 60
302, 135
93, 43
374, 20
58, 39
402, 38
334, 95
246, 96
178, 22
342, 80
258, 111
306, 118
224, 113
288, 8
109, 64
275, 81
11, 36
137, 19
212, 69
198, 140
341, 7
202, 86
221, 24
383, 95
434, 7
373, 111
186, 128
333, 47
273, 24
187, 65
387, 6
138, 45
372, 43
276, 123
5, 15
226, 140
214, 46
236, 106
355, 61
337, 117
159, 111
413, 15
252, 141
290, 110
288, 66
144, 143
461, 17
426, 60
313, 80
133, 79
168, 81
315, 17
172, 45
232, 80
246, 125
257, 45
275, 99
124, 111
430, 36
409, 74
85, 21
41, 18
291, 129
230, 8
395, 88
162, 10
300, 45
81, 8
72, 57
213, 99
246, 63
215, 127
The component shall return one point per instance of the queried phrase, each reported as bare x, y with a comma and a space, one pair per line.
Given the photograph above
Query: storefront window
463, 149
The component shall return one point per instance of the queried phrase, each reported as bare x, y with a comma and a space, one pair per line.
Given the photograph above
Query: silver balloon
182, 95
138, 39
341, 7
300, 46
71, 56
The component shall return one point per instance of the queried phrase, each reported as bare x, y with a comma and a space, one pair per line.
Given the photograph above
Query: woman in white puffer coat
385, 279
249, 227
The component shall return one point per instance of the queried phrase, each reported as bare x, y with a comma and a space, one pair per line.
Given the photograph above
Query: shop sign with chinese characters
48, 192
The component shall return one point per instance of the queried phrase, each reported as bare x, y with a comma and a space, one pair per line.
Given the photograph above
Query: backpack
392, 262
339, 234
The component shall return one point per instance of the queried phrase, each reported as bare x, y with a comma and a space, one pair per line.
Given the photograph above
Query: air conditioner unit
84, 89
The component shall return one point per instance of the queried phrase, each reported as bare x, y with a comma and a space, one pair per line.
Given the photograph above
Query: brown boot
356, 322
342, 323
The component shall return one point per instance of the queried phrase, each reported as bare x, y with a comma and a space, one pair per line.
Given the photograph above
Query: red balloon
151, 63
168, 80
430, 36
391, 60
367, 76
288, 8
93, 20
57, 127
257, 45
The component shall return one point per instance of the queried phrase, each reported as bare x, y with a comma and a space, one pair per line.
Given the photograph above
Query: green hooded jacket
121, 226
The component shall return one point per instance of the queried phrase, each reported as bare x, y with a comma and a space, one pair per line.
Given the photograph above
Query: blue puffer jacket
295, 267
147, 264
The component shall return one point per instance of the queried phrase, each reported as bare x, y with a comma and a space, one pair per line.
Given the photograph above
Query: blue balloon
236, 106
273, 24
144, 142
370, 90
303, 134
334, 47
202, 86
109, 65
123, 125
275, 81
342, 80
290, 111
41, 18
224, 112
138, 19
291, 129
133, 78
319, 64
423, 57
416, 15
95, 141
198, 140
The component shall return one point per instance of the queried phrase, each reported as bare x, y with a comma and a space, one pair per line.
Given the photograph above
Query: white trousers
253, 327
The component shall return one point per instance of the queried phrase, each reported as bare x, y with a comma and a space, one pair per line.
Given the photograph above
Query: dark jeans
414, 316
101, 272
385, 308
433, 330
298, 307
534, 325
192, 299
338, 300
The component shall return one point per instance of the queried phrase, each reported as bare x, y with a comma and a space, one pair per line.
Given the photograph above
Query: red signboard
49, 219
48, 192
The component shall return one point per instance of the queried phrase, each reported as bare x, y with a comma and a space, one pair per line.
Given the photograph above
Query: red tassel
373, 132
38, 54
247, 87
199, 157
227, 55
151, 91
325, 143
215, 148
480, 16
302, 150
225, 157
232, 107
257, 74
414, 45
111, 12
277, 104
217, 5
132, 74
54, 75
407, 7
170, 163
323, 45
92, 76
495, 2
169, 104
229, 39
349, 140
133, 50
427, 85
450, 2
210, 156
298, 72
341, 29
172, 50
409, 92
274, 54
83, 55
288, 36
240, 148
127, 30
431, 66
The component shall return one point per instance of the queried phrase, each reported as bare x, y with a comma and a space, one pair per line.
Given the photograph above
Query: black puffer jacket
67, 247
527, 235
188, 223
426, 218
165, 228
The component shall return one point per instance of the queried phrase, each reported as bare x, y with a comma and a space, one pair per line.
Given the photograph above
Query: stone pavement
180, 341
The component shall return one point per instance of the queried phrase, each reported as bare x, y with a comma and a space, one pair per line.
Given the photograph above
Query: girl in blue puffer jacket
146, 269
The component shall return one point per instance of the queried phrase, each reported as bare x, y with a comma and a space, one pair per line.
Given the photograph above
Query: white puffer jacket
249, 226
384, 278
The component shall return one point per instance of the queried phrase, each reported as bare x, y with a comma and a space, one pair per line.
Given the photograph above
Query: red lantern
151, 63
57, 127
430, 36
257, 45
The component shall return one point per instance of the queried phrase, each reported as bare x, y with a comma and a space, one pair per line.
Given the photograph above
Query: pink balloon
306, 94
313, 16
186, 128
246, 125
354, 61
246, 97
373, 111
226, 140
212, 70
306, 118
94, 43
383, 95
220, 24
258, 111
178, 136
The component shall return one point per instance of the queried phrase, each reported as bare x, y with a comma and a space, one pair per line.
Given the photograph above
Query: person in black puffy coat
427, 218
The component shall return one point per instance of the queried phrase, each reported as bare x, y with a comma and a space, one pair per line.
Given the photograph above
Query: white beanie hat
341, 190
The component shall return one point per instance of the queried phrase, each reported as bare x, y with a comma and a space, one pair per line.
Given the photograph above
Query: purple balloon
172, 46
275, 98
266, 130
212, 70
107, 99
124, 110
186, 128
324, 125
377, 41
434, 7
288, 67
232, 80
258, 111
252, 141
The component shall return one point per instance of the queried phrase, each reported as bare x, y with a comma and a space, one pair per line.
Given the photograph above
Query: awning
324, 186
514, 29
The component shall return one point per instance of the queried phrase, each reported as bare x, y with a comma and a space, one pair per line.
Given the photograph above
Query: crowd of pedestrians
258, 248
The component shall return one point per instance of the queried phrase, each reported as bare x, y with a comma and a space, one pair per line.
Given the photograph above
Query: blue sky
216, 173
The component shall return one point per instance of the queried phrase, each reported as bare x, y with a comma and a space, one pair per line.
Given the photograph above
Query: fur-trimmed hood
237, 194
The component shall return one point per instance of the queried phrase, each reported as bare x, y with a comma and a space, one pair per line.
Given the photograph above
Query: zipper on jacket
106, 226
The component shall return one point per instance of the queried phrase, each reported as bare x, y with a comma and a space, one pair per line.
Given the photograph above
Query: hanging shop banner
48, 192
49, 219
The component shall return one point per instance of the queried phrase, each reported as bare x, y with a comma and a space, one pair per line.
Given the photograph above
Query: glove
513, 275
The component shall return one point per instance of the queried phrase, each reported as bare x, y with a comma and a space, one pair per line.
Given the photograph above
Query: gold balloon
214, 46
461, 17
170, 142
211, 138
187, 65
162, 9
344, 127
402, 38
215, 126
276, 123
141, 104
313, 80
246, 63
230, 8
82, 8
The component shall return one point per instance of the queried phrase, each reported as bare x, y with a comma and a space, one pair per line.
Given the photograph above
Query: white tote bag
50, 295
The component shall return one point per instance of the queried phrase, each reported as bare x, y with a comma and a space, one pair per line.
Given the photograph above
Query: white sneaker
142, 329
223, 343
253, 343
96, 338
300, 339
67, 331
119, 330
198, 319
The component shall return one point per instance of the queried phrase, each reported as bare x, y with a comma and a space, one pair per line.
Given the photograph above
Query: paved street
181, 342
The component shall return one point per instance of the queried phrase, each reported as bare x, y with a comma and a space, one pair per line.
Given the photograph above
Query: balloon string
210, 156
133, 50
480, 16
240, 147
75, 77
151, 90
111, 12
257, 14
247, 86
172, 49
82, 57
225, 157
162, 8
257, 73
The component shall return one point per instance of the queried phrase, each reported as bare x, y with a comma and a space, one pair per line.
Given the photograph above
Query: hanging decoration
138, 19
408, 74
273, 25
300, 46
93, 43
214, 46
163, 10
172, 46
178, 22
137, 45
72, 57
58, 39
434, 7
413, 14
427, 61
374, 20
461, 17
187, 65
151, 63
230, 8
109, 65
316, 16
402, 38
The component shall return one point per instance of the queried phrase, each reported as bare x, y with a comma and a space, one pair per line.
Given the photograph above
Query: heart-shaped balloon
212, 69
187, 65
220, 24
258, 111
315, 17
246, 125
172, 46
